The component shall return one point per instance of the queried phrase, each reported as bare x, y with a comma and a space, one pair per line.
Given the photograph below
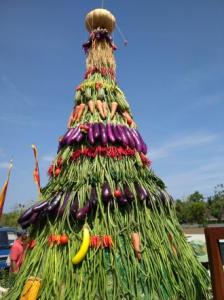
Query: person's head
22, 235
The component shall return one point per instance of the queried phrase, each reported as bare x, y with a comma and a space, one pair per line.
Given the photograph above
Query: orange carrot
99, 106
91, 106
105, 107
80, 111
127, 117
113, 109
70, 120
172, 244
75, 113
135, 239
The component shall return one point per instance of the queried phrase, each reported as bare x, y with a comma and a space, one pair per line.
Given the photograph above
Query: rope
122, 35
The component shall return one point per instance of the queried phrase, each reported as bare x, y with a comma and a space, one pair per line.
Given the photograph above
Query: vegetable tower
105, 227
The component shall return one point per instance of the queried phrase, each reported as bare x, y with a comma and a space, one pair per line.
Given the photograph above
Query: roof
8, 229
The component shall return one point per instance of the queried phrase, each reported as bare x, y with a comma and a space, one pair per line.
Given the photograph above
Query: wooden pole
213, 235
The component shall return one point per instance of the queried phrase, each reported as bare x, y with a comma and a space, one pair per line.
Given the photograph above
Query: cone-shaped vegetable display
106, 227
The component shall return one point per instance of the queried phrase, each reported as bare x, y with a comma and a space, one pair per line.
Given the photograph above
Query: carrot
80, 112
70, 120
135, 239
99, 106
127, 117
75, 113
172, 244
105, 107
91, 106
113, 109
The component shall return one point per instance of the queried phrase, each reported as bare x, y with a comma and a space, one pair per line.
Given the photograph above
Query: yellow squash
84, 247
31, 289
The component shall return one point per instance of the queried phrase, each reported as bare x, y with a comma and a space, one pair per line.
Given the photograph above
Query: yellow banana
84, 247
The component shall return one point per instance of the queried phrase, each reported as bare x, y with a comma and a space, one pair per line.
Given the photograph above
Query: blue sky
172, 73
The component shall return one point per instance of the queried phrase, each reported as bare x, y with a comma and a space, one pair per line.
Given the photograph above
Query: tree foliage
217, 202
197, 209
10, 219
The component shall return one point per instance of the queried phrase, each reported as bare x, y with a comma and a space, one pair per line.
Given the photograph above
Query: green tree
196, 212
10, 219
196, 197
217, 202
192, 210
181, 211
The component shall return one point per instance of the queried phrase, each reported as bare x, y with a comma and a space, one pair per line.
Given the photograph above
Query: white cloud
189, 141
203, 178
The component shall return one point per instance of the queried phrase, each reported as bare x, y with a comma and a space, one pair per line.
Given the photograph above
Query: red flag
36, 175
4, 189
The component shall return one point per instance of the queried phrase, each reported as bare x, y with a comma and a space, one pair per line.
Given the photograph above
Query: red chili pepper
145, 160
57, 171
107, 241
98, 85
64, 239
84, 127
59, 162
95, 241
31, 244
50, 170
103, 71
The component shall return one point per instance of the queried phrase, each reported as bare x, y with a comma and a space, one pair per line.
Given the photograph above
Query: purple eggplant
141, 192
41, 206
67, 134
90, 134
138, 144
144, 146
79, 137
116, 133
61, 141
59, 147
96, 130
131, 141
103, 133
128, 194
93, 197
124, 139
72, 138
25, 224
64, 204
54, 203
110, 134
34, 217
74, 207
84, 211
26, 215
125, 135
123, 201
106, 193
